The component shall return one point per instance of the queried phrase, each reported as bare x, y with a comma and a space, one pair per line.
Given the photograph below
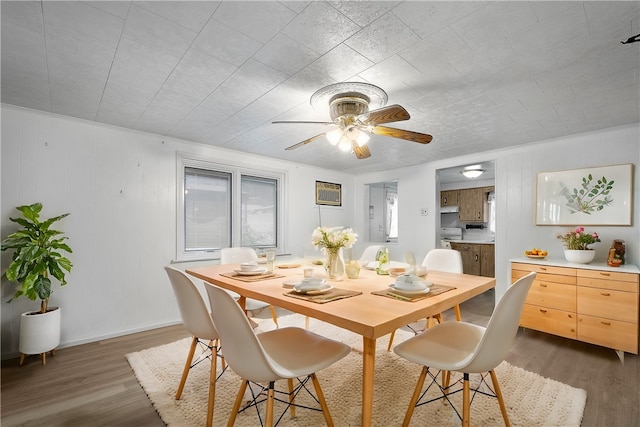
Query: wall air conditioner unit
328, 193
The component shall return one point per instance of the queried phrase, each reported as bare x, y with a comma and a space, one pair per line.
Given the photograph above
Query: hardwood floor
93, 385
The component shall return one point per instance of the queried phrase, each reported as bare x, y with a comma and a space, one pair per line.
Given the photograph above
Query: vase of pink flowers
577, 243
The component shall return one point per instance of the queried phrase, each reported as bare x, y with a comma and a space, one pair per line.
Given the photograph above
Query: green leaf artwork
590, 196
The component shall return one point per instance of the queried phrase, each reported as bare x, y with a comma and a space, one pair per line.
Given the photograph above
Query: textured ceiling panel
475, 75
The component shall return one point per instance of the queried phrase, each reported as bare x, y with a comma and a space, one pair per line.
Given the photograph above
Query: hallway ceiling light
472, 172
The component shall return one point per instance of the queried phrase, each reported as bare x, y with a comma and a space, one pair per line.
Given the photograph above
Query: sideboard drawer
553, 295
629, 284
549, 320
608, 304
609, 333
563, 271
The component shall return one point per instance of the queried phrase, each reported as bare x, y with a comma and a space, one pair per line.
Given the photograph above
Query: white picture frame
589, 196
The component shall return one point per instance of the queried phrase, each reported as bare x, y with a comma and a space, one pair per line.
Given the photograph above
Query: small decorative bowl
249, 266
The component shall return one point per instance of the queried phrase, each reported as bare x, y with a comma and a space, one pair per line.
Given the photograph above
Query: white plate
314, 286
262, 260
289, 284
413, 283
251, 273
371, 265
410, 291
326, 288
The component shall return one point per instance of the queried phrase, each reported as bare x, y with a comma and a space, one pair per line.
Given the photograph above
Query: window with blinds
224, 205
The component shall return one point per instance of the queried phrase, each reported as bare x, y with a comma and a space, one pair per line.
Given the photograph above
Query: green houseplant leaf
37, 255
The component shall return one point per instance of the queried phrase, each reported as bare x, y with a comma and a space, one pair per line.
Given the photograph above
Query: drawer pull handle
543, 311
605, 323
605, 274
605, 294
543, 268
542, 285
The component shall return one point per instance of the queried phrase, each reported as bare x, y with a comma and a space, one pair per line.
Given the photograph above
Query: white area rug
531, 400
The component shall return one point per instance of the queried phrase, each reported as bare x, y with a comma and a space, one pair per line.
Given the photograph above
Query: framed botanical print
589, 196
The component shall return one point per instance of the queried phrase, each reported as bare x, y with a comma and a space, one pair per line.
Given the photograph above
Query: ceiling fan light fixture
362, 139
334, 136
472, 173
344, 144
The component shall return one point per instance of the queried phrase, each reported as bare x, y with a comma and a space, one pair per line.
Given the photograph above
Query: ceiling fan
348, 104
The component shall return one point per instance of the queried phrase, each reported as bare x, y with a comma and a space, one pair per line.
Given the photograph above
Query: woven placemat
332, 295
435, 290
256, 278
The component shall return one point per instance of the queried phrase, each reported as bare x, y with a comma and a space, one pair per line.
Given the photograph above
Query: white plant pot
39, 333
579, 257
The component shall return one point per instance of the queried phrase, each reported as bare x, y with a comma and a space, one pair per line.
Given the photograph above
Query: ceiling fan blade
306, 141
421, 138
302, 121
361, 152
390, 113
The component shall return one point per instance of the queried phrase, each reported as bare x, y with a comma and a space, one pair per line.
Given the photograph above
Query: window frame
237, 170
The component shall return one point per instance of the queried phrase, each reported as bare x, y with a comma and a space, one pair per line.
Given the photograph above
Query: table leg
368, 367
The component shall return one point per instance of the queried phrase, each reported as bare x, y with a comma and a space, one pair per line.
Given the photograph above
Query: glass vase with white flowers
332, 239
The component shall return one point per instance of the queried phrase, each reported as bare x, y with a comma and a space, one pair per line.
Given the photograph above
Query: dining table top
366, 314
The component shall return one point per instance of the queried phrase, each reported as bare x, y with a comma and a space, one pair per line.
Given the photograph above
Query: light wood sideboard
593, 303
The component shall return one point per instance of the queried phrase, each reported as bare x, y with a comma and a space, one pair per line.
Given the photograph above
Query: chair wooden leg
22, 357
237, 403
274, 316
268, 422
223, 363
187, 367
393, 334
321, 399
416, 395
496, 388
446, 379
456, 309
466, 402
43, 356
292, 408
212, 387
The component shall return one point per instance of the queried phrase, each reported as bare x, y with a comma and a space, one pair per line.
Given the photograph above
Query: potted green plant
38, 256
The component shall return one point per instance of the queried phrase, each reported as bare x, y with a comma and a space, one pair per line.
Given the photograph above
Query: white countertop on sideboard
559, 262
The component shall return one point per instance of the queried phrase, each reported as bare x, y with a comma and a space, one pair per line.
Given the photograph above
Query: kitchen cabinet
449, 198
594, 305
477, 259
473, 204
487, 260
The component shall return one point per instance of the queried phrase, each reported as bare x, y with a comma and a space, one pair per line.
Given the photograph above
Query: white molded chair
369, 254
197, 320
448, 261
238, 255
285, 353
467, 348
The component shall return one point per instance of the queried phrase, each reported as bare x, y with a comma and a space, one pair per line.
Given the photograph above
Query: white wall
120, 188
516, 171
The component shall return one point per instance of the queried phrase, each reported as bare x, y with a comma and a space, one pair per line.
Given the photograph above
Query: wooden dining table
371, 316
